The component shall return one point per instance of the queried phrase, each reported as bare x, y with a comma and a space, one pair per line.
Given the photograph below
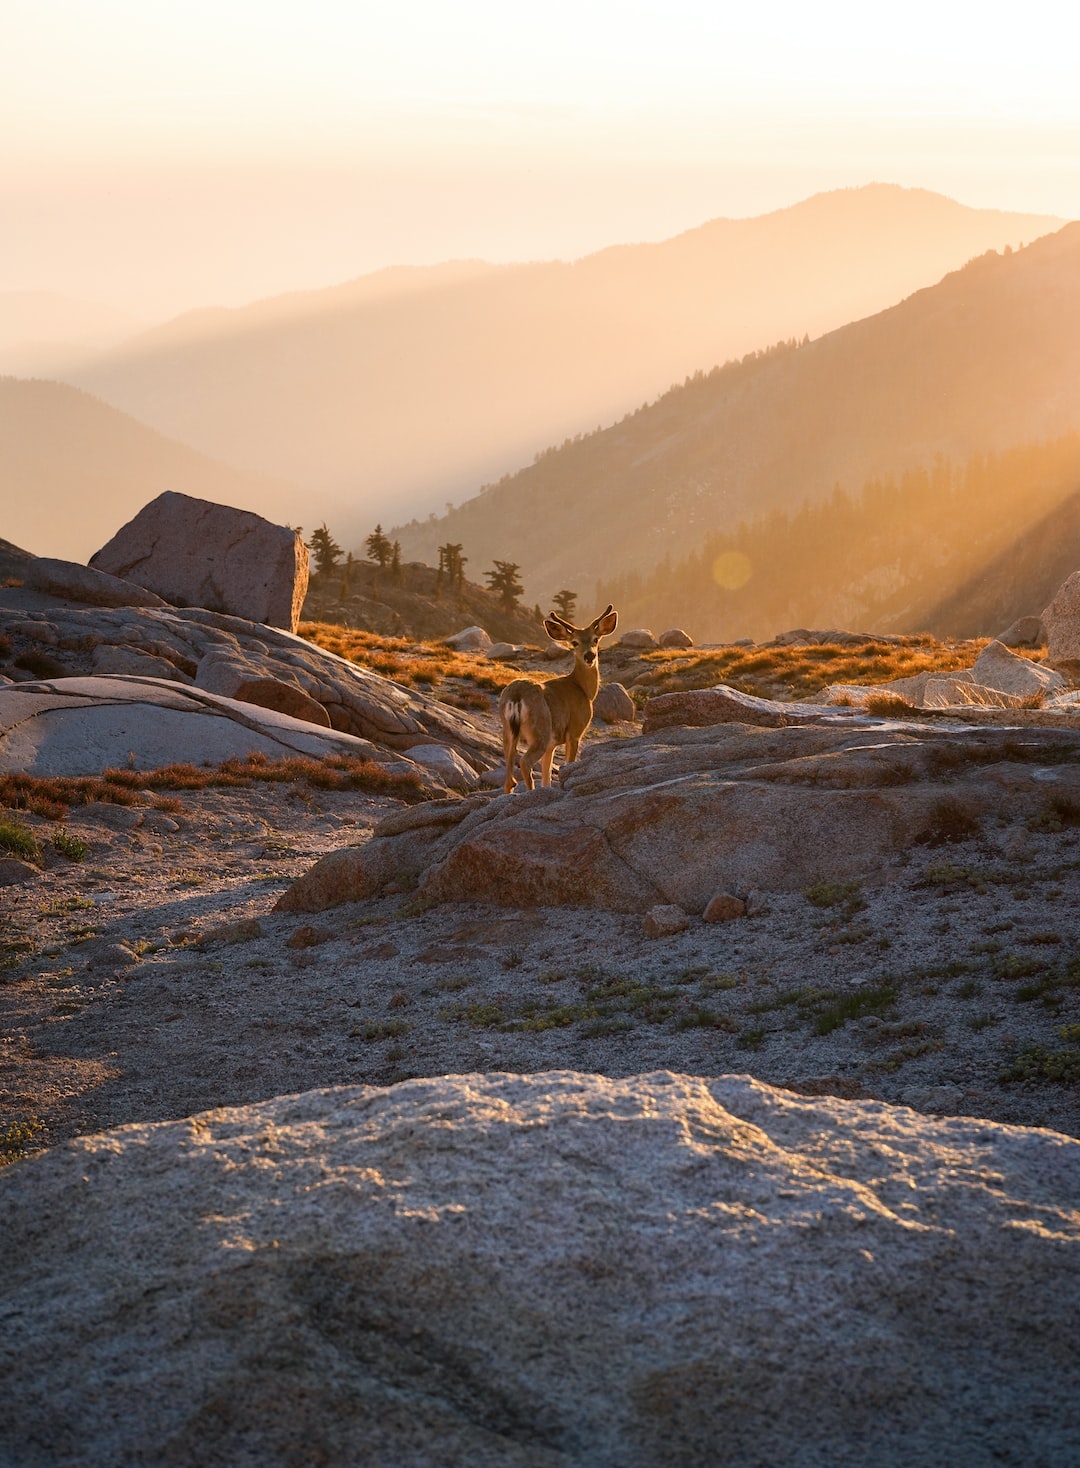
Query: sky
156, 157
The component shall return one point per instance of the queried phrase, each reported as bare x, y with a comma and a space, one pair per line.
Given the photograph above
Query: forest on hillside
883, 559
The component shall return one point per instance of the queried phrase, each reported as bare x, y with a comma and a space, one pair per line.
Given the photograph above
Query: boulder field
559, 1269
136, 661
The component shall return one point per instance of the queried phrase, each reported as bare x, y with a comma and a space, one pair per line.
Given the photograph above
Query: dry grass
425, 665
52, 796
800, 670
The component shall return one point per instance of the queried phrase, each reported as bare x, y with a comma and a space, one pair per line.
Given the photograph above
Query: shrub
16, 840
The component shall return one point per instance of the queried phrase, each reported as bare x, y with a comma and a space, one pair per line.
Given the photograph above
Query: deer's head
584, 640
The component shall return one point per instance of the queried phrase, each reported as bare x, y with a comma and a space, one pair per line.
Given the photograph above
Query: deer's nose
590, 657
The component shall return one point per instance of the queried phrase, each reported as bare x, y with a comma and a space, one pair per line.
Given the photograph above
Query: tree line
880, 559
503, 580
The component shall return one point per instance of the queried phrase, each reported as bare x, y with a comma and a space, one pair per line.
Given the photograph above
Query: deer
556, 712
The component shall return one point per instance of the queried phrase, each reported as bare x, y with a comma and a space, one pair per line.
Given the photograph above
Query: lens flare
731, 570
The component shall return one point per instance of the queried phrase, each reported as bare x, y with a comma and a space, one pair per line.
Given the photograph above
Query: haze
154, 159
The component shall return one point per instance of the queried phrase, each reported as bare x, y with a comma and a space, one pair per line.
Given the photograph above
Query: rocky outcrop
1062, 622
285, 698
675, 817
198, 554
84, 584
997, 667
546, 1270
82, 726
700, 707
250, 663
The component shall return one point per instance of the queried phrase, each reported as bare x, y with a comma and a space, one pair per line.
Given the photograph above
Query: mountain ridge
982, 361
425, 384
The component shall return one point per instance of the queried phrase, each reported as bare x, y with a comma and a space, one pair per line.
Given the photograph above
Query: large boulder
535, 1271
675, 817
997, 667
198, 554
1062, 622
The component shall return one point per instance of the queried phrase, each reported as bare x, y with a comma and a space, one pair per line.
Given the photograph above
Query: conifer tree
325, 549
378, 547
504, 581
565, 603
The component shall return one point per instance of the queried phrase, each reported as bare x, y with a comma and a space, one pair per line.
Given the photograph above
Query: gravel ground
151, 979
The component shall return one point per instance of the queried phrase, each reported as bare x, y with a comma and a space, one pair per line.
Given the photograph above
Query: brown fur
558, 712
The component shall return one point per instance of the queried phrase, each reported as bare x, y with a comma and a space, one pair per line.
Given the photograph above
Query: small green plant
984, 1020
751, 1039
948, 822
16, 1137
1040, 1063
847, 895
700, 1018
1017, 965
73, 847
379, 1029
856, 1005
16, 840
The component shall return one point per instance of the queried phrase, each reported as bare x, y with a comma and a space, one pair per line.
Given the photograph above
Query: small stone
665, 920
676, 637
106, 954
614, 705
637, 637
723, 907
947, 1099
14, 871
242, 931
469, 639
307, 937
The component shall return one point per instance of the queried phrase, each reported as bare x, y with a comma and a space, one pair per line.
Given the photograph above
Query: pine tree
565, 603
395, 562
378, 547
325, 549
504, 581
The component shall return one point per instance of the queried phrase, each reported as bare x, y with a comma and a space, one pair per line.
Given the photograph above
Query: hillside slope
73, 470
987, 359
1018, 582
389, 395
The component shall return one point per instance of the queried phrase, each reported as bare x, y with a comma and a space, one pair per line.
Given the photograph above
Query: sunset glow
313, 143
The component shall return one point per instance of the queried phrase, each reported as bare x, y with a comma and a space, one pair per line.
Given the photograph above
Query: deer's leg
509, 751
545, 765
535, 750
572, 749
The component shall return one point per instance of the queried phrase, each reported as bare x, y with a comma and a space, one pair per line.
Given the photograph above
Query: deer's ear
606, 623
556, 630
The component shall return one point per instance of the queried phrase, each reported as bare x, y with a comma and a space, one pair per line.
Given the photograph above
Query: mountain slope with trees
987, 359
878, 561
392, 394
